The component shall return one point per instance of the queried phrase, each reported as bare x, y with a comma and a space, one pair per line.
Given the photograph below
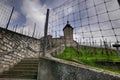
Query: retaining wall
55, 69
14, 47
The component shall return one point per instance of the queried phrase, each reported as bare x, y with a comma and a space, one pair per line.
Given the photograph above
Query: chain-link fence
13, 18
94, 22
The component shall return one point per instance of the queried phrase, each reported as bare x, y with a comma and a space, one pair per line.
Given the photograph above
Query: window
119, 2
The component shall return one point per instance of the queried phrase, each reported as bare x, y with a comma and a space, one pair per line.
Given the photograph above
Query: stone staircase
25, 70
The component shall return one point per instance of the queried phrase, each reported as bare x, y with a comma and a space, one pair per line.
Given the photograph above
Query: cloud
76, 10
5, 10
15, 15
34, 12
53, 3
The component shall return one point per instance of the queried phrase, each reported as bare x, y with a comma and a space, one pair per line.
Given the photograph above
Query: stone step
28, 62
26, 65
19, 76
32, 59
15, 79
25, 69
21, 71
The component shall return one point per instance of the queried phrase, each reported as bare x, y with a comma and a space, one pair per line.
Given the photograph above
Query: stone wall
14, 47
55, 69
52, 42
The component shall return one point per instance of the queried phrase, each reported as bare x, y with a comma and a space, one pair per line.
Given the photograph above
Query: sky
27, 13
105, 16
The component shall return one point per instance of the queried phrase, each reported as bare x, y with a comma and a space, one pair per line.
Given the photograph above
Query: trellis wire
17, 21
94, 21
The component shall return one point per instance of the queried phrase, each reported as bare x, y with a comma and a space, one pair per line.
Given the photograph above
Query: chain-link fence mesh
94, 21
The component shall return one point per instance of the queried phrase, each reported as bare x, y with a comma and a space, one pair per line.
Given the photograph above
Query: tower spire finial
67, 22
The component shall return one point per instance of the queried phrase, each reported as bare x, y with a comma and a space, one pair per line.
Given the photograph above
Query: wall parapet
66, 70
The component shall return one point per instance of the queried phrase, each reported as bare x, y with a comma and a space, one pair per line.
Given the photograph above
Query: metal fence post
10, 18
45, 33
34, 30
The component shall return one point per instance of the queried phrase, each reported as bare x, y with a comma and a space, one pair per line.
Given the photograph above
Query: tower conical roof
67, 25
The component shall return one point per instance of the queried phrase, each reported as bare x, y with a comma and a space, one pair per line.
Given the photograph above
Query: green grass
68, 54
90, 55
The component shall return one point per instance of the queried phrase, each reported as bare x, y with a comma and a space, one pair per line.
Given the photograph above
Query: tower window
119, 2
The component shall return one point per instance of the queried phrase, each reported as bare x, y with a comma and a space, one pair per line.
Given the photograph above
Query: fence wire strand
18, 19
93, 20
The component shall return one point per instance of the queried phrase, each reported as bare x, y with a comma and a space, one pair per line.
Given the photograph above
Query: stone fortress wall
14, 47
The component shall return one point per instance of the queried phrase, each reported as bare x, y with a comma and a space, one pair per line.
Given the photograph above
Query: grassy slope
89, 56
